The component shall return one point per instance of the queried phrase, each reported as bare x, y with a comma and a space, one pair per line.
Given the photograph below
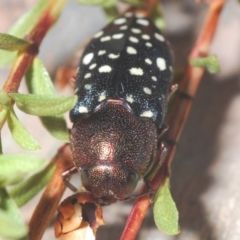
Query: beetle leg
66, 175
160, 157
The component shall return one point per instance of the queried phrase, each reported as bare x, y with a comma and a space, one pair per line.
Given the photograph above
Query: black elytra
130, 60
122, 88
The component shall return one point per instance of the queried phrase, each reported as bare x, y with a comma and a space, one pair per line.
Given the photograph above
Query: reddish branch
25, 57
50, 199
180, 107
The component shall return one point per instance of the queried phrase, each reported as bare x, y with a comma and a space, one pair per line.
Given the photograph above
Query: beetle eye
85, 178
132, 180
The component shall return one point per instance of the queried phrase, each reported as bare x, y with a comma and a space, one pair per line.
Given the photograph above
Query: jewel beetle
122, 88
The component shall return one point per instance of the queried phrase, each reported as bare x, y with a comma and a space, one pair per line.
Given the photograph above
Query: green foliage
39, 82
43, 105
5, 102
20, 134
165, 211
98, 2
12, 225
11, 43
21, 28
26, 190
210, 63
13, 168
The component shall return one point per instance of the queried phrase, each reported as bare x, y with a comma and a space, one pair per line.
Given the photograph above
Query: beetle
122, 88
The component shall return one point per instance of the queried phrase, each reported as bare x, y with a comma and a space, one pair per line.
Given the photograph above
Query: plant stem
179, 109
51, 197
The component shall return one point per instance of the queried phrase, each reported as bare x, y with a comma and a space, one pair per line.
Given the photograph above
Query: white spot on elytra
154, 78
136, 71
143, 22
129, 98
83, 109
148, 44
117, 36
99, 34
124, 27
147, 90
101, 52
148, 114
105, 69
88, 58
87, 75
136, 30
120, 21
113, 56
88, 86
131, 50
133, 39
145, 37
161, 63
128, 14
104, 39
159, 37
148, 61
102, 96
92, 66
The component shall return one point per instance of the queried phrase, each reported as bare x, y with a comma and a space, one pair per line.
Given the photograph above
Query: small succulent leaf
210, 63
97, 2
165, 211
10, 211
158, 17
43, 105
5, 102
136, 3
22, 28
20, 134
12, 43
38, 80
26, 190
15, 167
111, 12
11, 229
56, 126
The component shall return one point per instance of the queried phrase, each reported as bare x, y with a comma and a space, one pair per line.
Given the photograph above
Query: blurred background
205, 180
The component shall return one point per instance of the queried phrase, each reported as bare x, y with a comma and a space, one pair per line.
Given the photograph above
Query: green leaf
9, 228
13, 168
210, 63
165, 211
43, 105
11, 43
136, 3
56, 126
20, 134
97, 2
111, 12
22, 28
26, 190
158, 17
10, 217
39, 82
5, 102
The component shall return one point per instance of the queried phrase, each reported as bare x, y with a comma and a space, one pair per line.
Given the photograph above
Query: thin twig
179, 109
46, 208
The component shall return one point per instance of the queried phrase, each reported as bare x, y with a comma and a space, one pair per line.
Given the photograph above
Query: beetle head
109, 182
